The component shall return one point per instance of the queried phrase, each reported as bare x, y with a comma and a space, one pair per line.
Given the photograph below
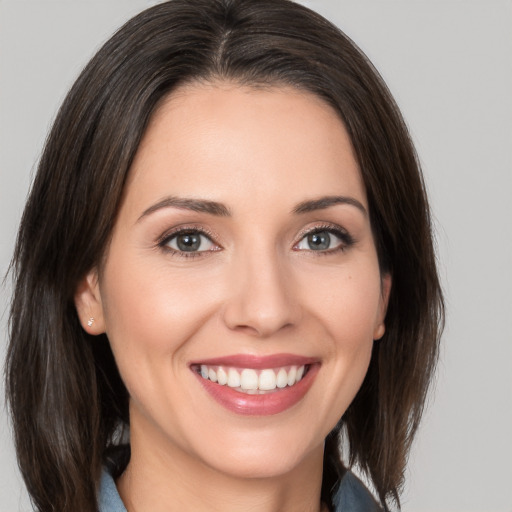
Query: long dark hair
65, 394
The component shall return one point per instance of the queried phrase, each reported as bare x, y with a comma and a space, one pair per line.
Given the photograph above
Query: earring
90, 322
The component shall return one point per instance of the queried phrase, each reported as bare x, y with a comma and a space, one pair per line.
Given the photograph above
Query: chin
262, 453
264, 465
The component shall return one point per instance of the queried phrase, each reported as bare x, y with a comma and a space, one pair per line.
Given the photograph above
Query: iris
319, 241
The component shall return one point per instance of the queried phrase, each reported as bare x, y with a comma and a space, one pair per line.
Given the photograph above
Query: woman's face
241, 291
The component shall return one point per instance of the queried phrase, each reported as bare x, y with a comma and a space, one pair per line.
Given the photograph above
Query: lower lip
260, 405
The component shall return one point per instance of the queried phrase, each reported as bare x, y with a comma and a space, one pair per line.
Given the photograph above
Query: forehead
224, 141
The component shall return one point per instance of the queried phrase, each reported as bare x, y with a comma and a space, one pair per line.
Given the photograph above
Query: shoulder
108, 497
353, 496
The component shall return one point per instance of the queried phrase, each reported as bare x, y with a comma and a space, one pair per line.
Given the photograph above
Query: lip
257, 362
259, 405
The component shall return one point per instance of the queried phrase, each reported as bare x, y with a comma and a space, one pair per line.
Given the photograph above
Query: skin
257, 288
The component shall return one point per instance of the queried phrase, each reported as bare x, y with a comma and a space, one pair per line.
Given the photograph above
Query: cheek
152, 312
346, 312
352, 326
346, 301
151, 318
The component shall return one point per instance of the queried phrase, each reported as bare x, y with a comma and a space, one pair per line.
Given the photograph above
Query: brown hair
65, 395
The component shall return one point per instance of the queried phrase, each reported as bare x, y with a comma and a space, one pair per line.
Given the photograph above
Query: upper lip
257, 362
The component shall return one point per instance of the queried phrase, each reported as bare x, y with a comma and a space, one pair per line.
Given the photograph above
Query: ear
88, 304
380, 325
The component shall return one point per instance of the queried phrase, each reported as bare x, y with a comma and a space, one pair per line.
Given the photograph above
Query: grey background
448, 63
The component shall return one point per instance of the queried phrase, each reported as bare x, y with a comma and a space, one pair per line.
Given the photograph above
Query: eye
323, 240
189, 241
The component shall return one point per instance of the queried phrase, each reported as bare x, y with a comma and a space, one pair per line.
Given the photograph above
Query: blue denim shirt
351, 496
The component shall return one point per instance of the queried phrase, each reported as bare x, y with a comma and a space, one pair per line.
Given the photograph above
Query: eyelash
182, 230
346, 240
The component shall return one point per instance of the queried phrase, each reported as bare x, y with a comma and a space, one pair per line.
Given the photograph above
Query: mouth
253, 381
260, 386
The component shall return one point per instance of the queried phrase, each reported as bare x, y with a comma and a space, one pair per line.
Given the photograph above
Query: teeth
292, 374
253, 381
267, 380
282, 378
222, 376
233, 378
249, 379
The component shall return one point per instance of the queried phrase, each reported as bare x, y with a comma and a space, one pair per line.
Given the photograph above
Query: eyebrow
325, 202
183, 203
221, 210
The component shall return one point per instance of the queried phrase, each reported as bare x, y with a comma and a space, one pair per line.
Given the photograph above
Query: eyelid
325, 226
335, 229
164, 239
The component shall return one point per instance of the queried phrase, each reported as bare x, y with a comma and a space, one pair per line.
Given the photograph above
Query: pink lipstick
254, 385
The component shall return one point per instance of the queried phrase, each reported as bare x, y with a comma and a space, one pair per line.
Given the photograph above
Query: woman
224, 269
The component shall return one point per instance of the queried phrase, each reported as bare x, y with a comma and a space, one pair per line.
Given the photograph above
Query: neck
162, 477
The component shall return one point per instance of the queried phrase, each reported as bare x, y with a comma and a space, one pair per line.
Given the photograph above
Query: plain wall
449, 65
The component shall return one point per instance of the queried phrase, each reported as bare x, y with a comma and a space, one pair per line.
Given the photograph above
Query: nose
262, 298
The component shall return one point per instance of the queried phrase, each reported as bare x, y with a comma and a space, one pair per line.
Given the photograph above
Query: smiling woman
229, 239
